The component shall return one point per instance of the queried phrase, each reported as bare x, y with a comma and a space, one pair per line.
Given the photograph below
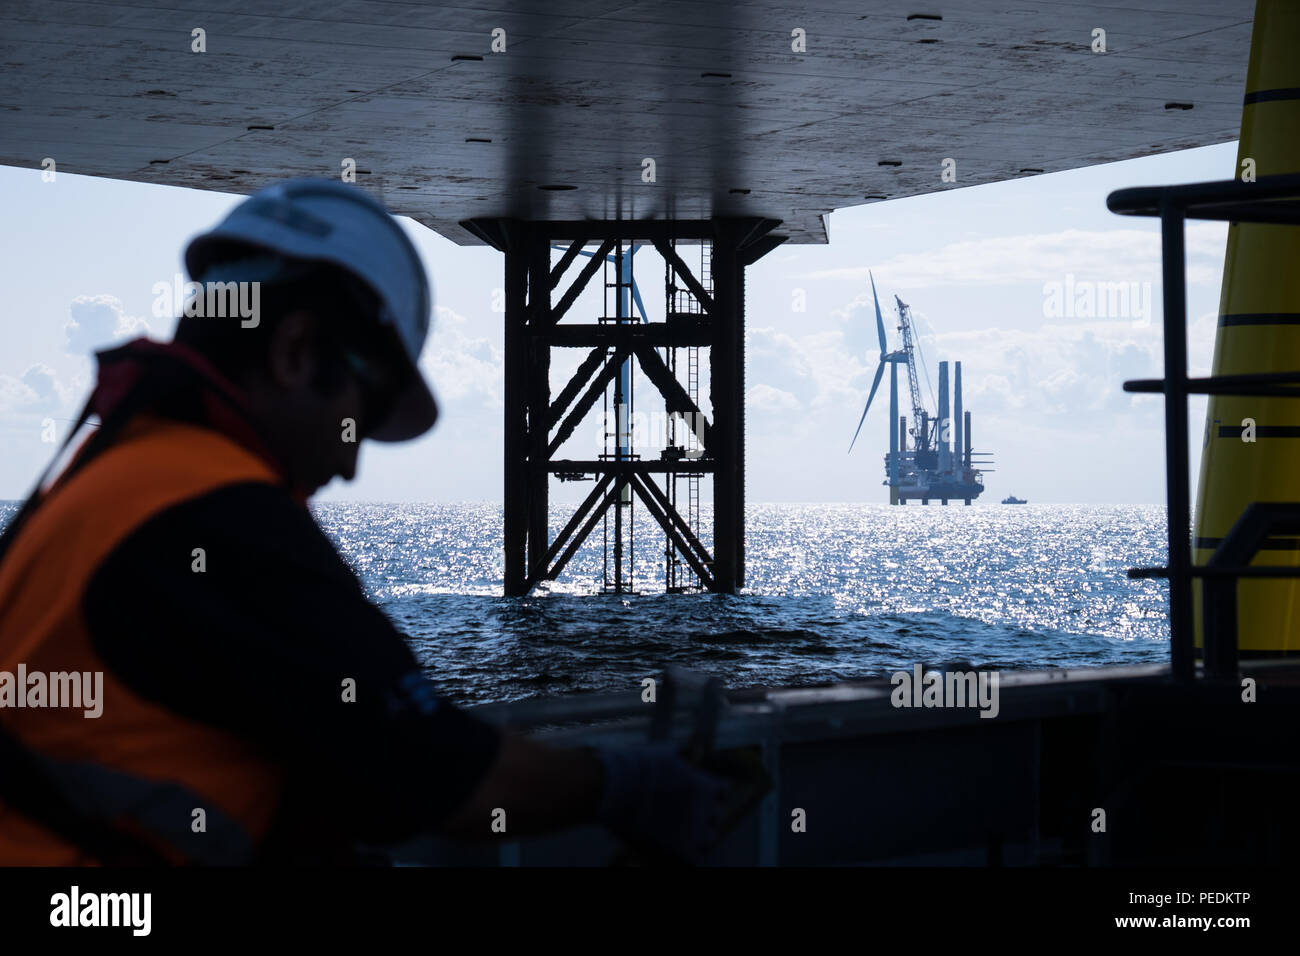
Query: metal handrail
1270, 199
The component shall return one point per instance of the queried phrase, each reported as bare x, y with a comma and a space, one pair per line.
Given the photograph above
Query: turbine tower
892, 358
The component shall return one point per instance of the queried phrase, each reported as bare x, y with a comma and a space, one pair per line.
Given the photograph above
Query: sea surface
833, 592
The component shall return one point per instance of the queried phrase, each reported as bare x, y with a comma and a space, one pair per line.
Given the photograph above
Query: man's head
316, 368
342, 309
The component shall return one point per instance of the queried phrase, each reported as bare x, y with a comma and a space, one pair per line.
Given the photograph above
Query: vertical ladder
684, 442
672, 303
693, 387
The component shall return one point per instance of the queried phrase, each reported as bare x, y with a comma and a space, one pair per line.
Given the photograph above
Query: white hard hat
326, 221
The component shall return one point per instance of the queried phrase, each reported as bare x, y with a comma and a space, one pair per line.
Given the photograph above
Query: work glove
661, 805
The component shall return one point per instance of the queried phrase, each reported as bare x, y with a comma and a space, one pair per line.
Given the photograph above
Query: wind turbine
892, 358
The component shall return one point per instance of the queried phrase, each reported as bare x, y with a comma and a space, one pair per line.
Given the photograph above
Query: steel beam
580, 283
676, 335
573, 546
674, 517
671, 530
684, 273
562, 540
514, 518
584, 404
539, 402
566, 260
646, 230
726, 390
676, 401
683, 466
580, 378
533, 328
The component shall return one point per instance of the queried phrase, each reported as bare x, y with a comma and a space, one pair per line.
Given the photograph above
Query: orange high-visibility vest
138, 767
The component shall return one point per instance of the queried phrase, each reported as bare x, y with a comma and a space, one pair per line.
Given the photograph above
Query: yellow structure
1251, 443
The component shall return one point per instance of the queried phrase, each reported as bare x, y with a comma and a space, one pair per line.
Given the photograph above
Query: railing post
1176, 463
1219, 597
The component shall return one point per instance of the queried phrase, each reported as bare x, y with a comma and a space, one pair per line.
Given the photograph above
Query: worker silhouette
256, 707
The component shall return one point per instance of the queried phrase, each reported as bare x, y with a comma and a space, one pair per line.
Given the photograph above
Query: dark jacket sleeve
263, 642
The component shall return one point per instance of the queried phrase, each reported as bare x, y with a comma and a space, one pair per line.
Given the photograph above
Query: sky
993, 275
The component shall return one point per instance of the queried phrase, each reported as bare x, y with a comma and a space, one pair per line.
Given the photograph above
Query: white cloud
463, 366
765, 398
1073, 370
813, 370
96, 321
37, 392
1110, 255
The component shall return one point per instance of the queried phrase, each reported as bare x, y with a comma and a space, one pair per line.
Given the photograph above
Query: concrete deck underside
737, 123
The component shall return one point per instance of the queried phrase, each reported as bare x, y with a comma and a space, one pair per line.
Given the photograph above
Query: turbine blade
636, 297
880, 371
880, 320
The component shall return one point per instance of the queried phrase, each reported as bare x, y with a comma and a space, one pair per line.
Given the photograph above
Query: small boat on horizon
1013, 500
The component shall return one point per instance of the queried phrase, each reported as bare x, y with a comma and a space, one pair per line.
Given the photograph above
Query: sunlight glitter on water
833, 592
